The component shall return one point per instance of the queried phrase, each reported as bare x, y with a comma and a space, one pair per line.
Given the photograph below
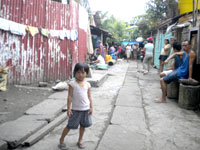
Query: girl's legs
64, 133
81, 132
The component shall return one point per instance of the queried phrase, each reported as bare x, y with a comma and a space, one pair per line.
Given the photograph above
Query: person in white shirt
148, 48
128, 52
100, 59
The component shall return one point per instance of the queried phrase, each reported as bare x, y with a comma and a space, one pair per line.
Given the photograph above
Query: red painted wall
38, 58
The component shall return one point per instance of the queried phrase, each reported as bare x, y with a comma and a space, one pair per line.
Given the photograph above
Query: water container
186, 6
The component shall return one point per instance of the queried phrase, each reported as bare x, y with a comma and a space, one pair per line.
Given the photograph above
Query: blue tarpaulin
129, 42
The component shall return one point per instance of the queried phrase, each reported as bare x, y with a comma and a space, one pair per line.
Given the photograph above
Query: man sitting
100, 59
182, 72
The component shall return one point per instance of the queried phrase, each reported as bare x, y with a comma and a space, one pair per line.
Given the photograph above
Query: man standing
148, 48
183, 72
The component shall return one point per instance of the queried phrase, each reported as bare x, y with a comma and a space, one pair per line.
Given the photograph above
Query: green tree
160, 10
135, 33
157, 11
116, 27
144, 26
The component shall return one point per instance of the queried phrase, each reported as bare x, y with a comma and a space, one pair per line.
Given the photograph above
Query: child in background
79, 98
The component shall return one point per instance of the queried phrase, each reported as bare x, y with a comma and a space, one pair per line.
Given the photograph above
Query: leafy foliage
157, 11
116, 27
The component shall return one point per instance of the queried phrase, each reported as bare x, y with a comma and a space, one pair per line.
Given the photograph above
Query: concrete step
48, 109
3, 145
35, 118
98, 78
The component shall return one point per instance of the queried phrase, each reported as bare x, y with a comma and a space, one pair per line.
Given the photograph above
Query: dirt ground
17, 99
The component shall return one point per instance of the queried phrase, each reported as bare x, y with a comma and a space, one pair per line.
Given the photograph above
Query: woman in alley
128, 52
164, 54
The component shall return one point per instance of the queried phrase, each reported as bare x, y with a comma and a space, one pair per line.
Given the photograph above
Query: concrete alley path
104, 98
140, 124
126, 117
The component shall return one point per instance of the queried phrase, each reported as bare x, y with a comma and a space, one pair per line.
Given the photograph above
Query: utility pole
196, 13
193, 13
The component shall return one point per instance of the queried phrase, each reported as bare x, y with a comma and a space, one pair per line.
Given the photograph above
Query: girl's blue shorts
81, 118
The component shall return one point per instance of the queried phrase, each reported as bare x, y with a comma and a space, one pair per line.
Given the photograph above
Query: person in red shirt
119, 51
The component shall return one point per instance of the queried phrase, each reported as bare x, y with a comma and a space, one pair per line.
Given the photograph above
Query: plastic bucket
114, 57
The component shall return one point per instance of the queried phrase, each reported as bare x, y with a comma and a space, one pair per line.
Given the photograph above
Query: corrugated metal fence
38, 58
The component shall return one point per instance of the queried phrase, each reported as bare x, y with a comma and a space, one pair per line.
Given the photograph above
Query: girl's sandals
62, 147
80, 145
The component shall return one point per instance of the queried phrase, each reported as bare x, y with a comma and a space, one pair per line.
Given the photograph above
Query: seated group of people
102, 56
181, 67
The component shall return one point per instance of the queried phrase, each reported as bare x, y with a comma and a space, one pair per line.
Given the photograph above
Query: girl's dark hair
81, 66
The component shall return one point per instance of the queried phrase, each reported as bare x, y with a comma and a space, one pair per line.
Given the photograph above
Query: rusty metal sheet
38, 58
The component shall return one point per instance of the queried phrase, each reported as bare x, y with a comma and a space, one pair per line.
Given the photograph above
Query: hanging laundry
32, 30
55, 33
17, 28
89, 41
74, 35
22, 29
45, 32
4, 25
68, 34
62, 34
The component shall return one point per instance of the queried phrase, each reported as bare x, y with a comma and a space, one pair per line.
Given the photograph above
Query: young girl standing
79, 104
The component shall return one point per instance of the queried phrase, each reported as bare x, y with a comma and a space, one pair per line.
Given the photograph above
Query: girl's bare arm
90, 99
69, 100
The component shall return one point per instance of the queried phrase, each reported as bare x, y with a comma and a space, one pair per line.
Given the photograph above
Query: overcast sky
121, 9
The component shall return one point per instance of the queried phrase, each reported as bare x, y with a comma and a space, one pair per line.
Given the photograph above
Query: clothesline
21, 29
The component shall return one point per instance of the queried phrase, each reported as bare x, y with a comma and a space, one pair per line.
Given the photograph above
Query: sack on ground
60, 86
